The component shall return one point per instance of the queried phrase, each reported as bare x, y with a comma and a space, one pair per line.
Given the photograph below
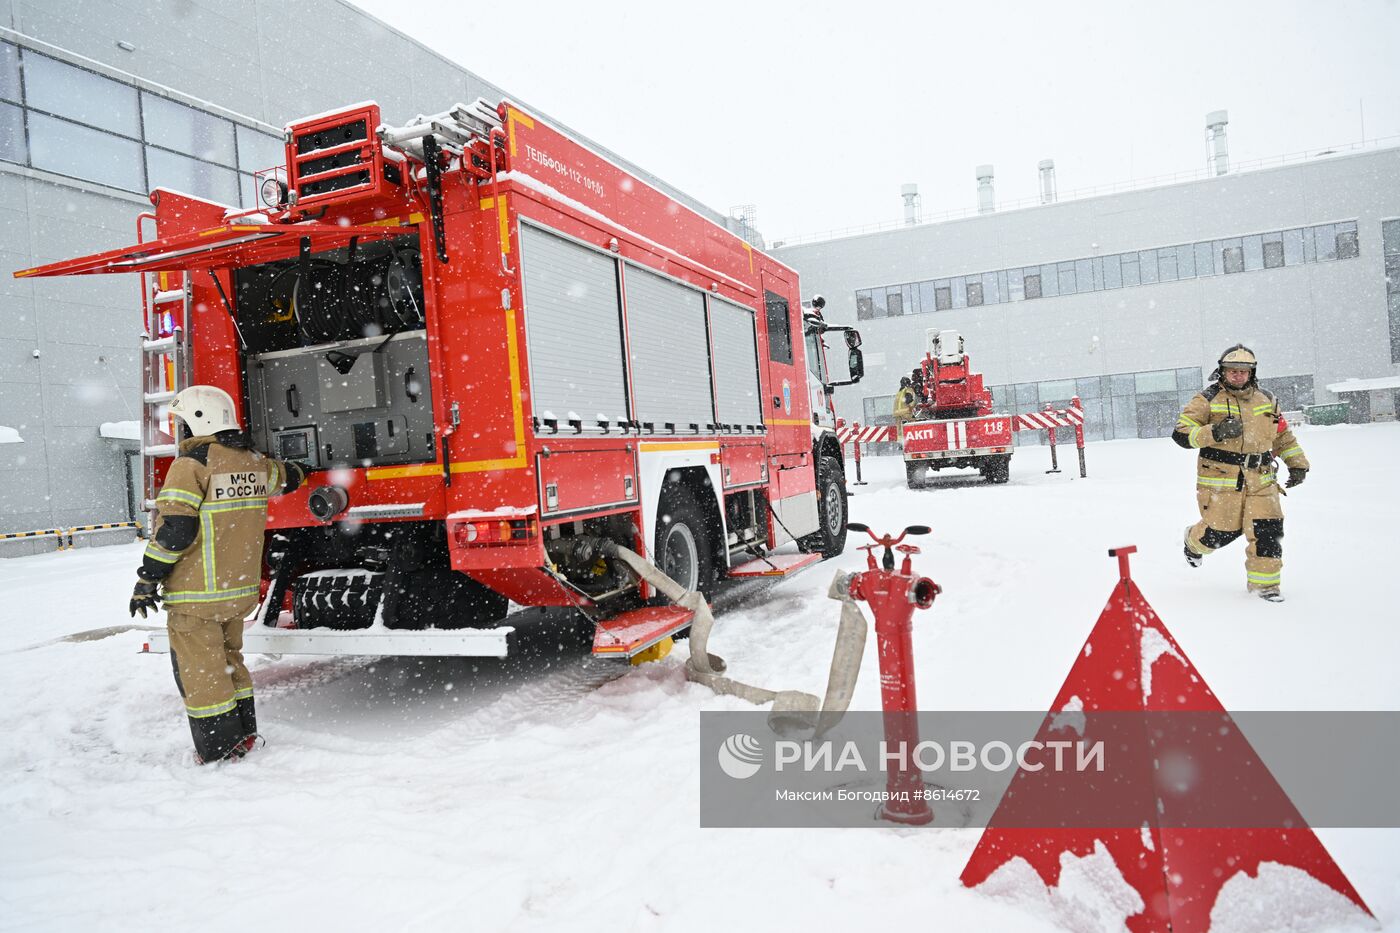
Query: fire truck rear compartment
337, 365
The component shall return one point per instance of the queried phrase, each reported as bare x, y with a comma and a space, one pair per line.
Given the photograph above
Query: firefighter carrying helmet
206, 409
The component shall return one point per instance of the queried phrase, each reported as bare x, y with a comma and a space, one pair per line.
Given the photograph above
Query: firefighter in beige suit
1239, 431
904, 401
206, 558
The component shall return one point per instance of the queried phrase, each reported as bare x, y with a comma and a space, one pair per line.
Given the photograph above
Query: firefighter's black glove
1229, 428
1296, 475
144, 597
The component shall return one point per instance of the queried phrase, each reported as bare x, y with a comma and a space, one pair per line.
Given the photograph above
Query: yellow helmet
1239, 357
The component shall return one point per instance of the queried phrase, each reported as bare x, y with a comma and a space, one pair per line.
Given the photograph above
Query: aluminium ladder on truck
165, 370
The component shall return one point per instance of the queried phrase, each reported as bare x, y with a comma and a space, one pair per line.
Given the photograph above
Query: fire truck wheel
830, 536
684, 550
916, 474
997, 470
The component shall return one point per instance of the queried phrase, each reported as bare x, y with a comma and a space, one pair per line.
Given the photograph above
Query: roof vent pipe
986, 200
1217, 150
1047, 181
910, 194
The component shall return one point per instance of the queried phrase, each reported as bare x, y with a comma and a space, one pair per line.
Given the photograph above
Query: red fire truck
495, 350
954, 425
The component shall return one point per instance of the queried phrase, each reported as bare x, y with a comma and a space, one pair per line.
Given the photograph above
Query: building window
1130, 269
865, 308
942, 297
1273, 251
9, 72
1292, 247
1347, 245
1015, 285
1390, 240
879, 410
1147, 264
82, 152
1325, 238
12, 148
1166, 264
989, 288
1232, 259
974, 294
1032, 285
1113, 271
1066, 276
1186, 262
78, 94
1205, 259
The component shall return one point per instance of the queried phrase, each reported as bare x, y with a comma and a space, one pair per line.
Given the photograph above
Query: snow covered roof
9, 436
1365, 385
121, 430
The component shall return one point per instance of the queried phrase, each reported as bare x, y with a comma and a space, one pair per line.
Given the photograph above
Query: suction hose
794, 712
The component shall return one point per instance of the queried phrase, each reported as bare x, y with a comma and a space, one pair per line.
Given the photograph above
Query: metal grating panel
574, 328
670, 352
736, 364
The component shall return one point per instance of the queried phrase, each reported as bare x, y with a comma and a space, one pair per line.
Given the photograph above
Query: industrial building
1127, 299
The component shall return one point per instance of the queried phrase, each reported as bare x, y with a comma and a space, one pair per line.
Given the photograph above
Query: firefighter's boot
1270, 593
1193, 557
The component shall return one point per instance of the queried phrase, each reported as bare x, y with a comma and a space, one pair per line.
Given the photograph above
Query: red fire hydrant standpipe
893, 597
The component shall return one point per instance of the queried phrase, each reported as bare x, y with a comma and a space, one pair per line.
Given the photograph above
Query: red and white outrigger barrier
1047, 420
1051, 418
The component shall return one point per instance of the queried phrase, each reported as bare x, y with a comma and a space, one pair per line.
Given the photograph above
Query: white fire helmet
206, 409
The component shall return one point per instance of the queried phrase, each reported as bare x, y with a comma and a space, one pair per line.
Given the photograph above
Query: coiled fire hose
793, 711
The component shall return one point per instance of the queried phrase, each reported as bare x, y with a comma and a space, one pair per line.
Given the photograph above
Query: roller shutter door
573, 326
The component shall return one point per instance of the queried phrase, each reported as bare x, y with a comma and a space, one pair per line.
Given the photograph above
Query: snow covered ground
544, 791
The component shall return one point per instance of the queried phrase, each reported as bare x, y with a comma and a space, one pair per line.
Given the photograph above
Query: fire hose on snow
793, 710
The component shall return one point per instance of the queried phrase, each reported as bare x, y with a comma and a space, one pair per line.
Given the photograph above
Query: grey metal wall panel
353, 415
736, 364
573, 323
670, 351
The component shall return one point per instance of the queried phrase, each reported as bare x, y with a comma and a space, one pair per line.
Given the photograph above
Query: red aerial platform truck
495, 350
954, 425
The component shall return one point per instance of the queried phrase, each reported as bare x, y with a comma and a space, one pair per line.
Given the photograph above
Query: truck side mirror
855, 361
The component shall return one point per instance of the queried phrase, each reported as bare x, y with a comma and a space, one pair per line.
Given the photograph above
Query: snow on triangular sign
1184, 850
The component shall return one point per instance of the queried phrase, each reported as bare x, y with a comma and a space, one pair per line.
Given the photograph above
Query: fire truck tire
684, 545
997, 470
916, 474
830, 537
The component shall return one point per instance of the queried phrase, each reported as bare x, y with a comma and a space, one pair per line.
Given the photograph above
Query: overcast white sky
818, 112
